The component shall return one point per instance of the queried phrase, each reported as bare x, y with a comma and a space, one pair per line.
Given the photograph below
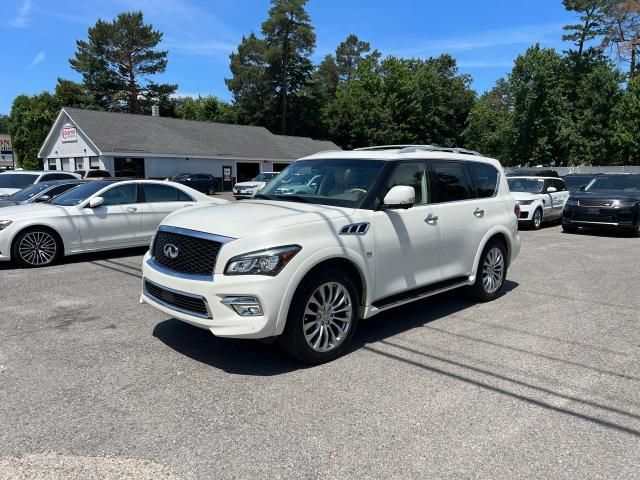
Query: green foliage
71, 94
117, 59
626, 125
350, 54
4, 124
204, 109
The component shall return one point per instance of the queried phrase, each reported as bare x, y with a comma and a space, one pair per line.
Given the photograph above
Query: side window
55, 191
203, 177
450, 181
159, 193
485, 179
183, 197
559, 184
55, 176
411, 175
121, 195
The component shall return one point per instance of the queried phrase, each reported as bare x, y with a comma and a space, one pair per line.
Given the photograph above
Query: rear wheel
491, 273
212, 190
36, 248
322, 318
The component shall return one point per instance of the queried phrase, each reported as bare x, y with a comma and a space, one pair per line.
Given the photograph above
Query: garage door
247, 171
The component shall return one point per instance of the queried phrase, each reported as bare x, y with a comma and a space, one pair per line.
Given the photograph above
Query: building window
94, 163
53, 164
79, 164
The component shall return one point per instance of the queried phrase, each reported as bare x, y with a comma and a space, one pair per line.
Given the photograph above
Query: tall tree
4, 123
290, 40
623, 32
117, 59
626, 125
72, 94
592, 24
204, 109
350, 54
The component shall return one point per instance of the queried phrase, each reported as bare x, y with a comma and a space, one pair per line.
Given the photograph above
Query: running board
420, 293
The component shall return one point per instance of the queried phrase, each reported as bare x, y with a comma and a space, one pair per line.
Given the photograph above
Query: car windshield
78, 194
338, 182
80, 172
264, 177
614, 184
17, 180
181, 176
574, 183
29, 192
529, 185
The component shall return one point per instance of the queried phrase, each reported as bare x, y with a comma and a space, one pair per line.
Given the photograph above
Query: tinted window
27, 193
121, 195
55, 191
410, 175
183, 197
203, 177
559, 184
485, 179
98, 174
530, 185
56, 176
160, 193
612, 184
450, 181
17, 180
79, 194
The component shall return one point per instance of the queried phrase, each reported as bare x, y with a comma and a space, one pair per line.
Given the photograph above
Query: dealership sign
5, 146
68, 133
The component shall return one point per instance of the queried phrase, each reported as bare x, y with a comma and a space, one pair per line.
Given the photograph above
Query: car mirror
95, 202
583, 188
400, 196
42, 199
552, 189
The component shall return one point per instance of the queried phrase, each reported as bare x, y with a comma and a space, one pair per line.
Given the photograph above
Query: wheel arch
499, 233
47, 228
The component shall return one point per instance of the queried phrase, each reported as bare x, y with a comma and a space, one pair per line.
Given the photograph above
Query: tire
536, 220
36, 247
569, 228
212, 190
322, 329
492, 267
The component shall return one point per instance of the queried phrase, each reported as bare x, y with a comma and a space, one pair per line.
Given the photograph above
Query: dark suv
608, 201
202, 182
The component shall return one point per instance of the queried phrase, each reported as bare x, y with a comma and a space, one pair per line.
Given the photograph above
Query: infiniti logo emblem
170, 251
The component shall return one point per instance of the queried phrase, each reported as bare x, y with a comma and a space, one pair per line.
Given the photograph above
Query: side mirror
583, 188
400, 196
95, 202
42, 199
552, 189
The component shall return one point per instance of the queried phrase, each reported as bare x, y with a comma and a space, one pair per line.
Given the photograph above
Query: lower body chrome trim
149, 295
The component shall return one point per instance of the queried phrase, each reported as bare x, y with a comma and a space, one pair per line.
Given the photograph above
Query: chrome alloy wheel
38, 248
537, 219
493, 270
327, 317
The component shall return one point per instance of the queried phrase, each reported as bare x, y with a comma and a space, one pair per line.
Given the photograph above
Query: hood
8, 203
8, 191
250, 184
626, 196
241, 219
525, 195
32, 210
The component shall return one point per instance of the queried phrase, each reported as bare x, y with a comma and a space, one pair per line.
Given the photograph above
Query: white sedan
99, 215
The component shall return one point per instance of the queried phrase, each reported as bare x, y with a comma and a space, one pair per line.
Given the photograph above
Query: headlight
263, 262
4, 224
525, 202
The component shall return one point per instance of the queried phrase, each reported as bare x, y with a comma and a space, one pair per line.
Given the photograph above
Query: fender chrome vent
355, 229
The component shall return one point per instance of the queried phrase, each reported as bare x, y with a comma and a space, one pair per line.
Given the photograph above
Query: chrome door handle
431, 219
479, 213
132, 209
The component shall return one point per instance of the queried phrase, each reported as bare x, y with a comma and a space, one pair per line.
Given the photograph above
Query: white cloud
39, 58
22, 20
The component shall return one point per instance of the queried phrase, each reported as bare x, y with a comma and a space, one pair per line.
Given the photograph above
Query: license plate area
593, 211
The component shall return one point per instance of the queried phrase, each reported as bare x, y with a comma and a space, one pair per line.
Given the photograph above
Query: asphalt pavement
542, 383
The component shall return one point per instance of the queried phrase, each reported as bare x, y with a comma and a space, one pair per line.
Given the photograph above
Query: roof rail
383, 147
435, 148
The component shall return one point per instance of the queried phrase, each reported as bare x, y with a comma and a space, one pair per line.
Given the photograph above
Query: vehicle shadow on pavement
256, 358
83, 258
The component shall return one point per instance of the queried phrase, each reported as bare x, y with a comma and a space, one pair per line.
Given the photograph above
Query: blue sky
484, 36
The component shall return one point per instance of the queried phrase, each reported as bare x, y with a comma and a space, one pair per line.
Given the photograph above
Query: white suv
383, 226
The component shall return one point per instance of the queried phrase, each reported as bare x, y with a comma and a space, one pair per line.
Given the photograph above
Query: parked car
540, 198
575, 181
249, 189
298, 184
533, 172
202, 182
382, 228
93, 173
14, 180
610, 201
97, 215
39, 192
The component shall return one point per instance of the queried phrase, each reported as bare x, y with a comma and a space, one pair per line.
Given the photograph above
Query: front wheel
536, 221
211, 190
491, 273
322, 318
36, 248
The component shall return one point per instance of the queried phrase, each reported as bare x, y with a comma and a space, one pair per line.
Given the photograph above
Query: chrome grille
195, 255
595, 203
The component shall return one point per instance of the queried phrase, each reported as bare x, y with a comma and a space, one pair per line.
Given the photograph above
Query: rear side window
57, 176
121, 195
55, 191
450, 181
410, 175
559, 184
485, 179
161, 193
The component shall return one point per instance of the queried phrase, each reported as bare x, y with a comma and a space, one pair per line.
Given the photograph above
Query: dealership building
159, 147
6, 152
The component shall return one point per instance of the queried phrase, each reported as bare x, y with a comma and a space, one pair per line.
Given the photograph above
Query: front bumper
526, 212
601, 217
220, 319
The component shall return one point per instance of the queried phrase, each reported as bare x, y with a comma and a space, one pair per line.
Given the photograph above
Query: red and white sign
68, 133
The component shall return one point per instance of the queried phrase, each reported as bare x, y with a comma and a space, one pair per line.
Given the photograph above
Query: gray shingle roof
112, 132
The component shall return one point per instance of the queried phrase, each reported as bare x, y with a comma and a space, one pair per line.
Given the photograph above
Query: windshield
529, 185
264, 177
29, 192
574, 183
181, 176
78, 194
339, 182
17, 180
614, 184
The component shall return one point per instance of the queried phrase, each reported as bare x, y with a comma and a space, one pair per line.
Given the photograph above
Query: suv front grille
595, 203
195, 256
190, 304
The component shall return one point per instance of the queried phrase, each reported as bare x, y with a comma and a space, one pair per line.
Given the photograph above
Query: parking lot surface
542, 383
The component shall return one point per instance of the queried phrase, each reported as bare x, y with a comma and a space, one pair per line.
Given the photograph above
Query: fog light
244, 306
